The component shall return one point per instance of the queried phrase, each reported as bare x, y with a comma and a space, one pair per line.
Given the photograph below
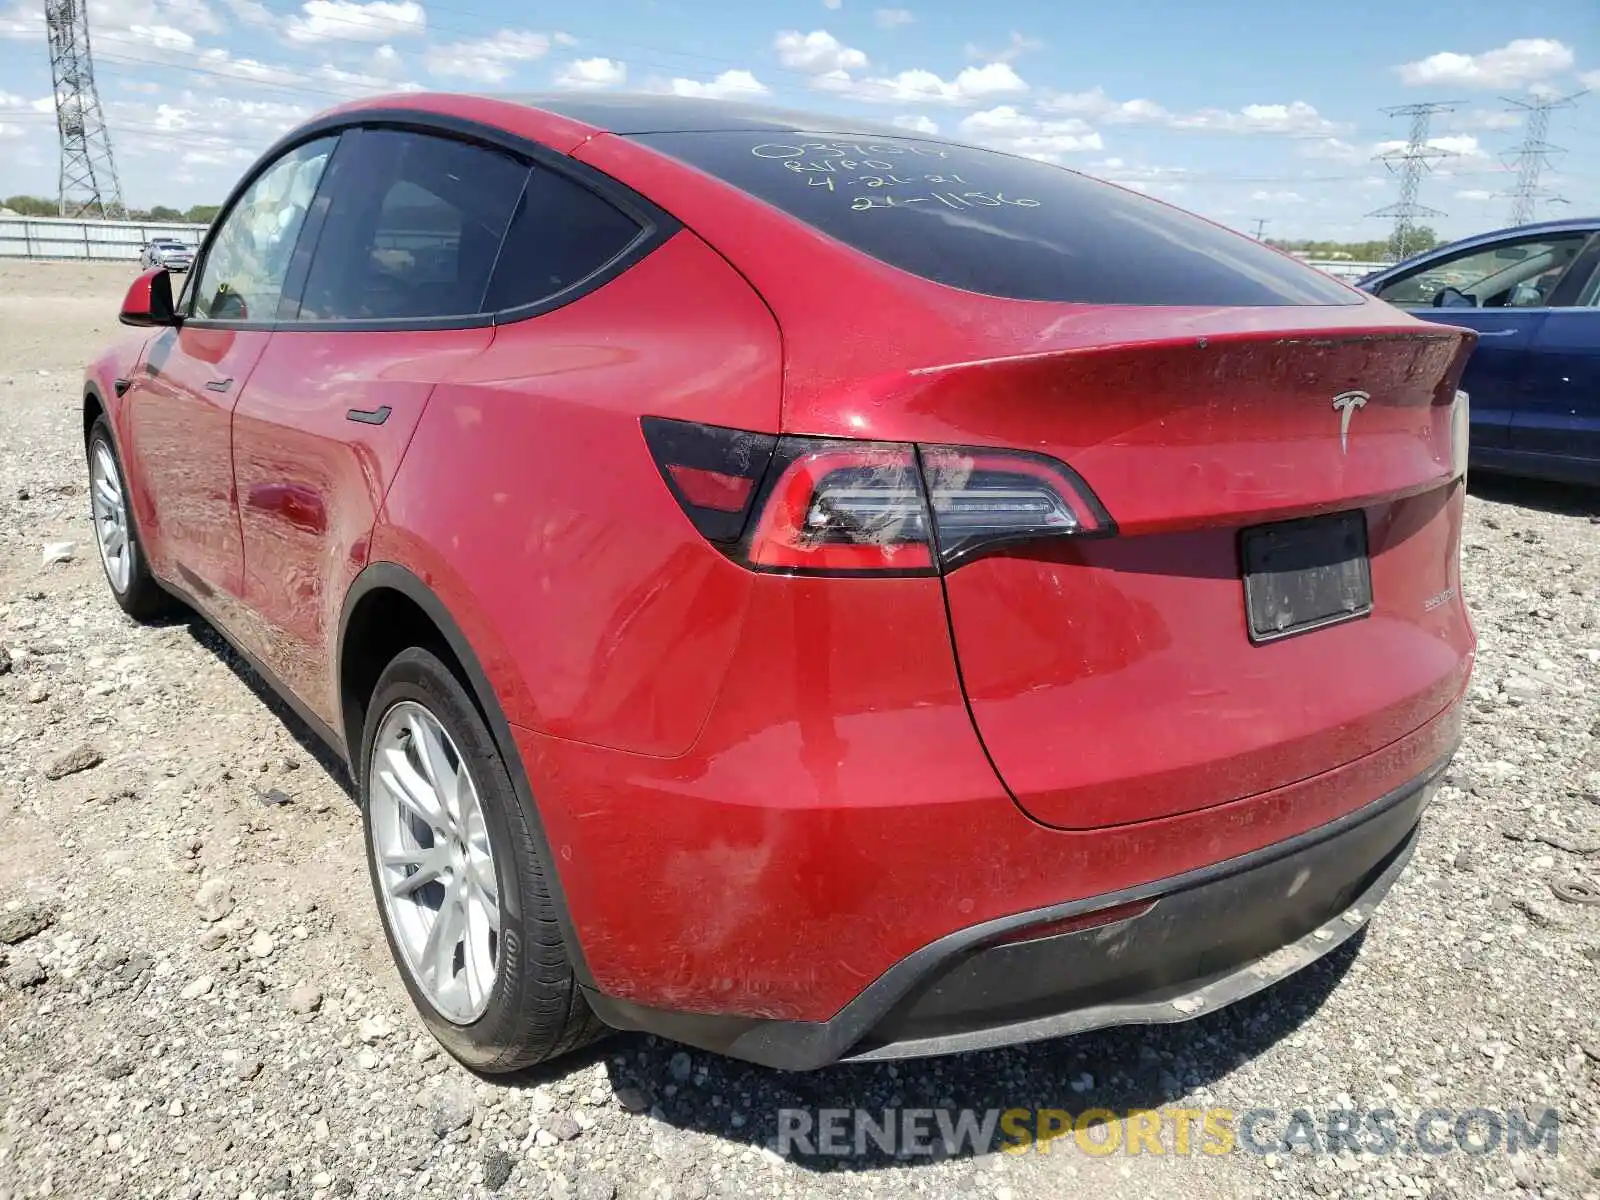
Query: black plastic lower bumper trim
1211, 937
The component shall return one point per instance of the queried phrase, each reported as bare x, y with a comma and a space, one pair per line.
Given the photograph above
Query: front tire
460, 885
116, 536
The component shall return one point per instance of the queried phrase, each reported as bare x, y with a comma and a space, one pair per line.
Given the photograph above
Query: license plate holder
1305, 574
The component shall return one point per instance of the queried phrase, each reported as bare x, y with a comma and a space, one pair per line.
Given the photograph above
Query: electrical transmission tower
89, 184
1534, 155
1412, 162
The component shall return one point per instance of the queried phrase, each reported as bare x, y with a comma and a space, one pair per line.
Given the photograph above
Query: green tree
30, 206
162, 213
203, 214
1418, 239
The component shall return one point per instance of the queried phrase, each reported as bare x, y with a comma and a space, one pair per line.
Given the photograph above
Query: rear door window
997, 224
562, 234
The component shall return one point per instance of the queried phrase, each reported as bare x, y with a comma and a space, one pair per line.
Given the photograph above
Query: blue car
1533, 295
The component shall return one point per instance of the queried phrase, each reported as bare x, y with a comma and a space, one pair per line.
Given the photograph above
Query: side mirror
149, 300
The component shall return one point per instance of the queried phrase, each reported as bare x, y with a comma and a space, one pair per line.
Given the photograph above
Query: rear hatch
1283, 458
1281, 596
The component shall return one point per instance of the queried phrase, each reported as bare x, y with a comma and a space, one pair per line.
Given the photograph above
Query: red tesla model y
807, 591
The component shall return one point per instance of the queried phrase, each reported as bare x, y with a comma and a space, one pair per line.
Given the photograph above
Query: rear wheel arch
387, 610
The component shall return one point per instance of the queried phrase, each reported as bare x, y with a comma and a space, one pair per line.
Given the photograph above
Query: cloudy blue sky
1241, 110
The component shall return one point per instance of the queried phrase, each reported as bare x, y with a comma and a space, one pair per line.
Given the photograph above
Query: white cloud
1014, 49
386, 61
918, 124
193, 15
1462, 144
356, 83
163, 37
22, 22
1488, 118
1129, 174
592, 74
210, 129
1007, 128
918, 86
1518, 62
251, 12
833, 5
1459, 145
219, 62
1332, 149
1296, 117
1475, 194
351, 21
1098, 106
1277, 197
1590, 79
817, 52
491, 59
991, 79
892, 18
730, 85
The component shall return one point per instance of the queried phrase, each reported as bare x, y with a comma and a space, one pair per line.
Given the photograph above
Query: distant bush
39, 206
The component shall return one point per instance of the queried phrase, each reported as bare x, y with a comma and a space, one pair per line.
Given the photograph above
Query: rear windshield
997, 224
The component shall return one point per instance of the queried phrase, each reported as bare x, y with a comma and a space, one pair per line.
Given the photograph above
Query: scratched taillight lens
842, 508
835, 506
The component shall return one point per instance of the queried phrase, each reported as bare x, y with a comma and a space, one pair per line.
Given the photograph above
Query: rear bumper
1208, 937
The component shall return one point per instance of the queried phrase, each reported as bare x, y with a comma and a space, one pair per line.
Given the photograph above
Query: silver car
166, 252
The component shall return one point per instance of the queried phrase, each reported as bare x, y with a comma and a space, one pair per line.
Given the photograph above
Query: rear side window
414, 227
562, 233
1000, 225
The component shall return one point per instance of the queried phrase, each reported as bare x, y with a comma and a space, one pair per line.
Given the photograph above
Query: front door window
245, 267
1508, 275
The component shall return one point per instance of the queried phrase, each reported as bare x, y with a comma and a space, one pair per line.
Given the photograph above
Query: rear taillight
832, 506
712, 471
841, 507
983, 499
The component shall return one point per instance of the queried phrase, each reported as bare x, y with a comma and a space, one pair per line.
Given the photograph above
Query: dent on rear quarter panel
530, 503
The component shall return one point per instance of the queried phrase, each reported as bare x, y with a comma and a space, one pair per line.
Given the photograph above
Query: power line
88, 182
1534, 154
1261, 224
1412, 162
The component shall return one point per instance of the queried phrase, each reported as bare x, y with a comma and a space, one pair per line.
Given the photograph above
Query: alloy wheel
110, 509
439, 886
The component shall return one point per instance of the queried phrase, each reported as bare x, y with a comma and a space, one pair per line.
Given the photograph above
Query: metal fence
67, 238
56, 237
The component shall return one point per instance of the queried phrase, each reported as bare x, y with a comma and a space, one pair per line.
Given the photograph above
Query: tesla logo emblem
1345, 404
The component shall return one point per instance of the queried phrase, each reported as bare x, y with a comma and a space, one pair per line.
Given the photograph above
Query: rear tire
116, 534
502, 996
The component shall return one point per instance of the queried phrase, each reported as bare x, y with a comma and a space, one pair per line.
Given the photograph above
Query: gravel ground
195, 999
